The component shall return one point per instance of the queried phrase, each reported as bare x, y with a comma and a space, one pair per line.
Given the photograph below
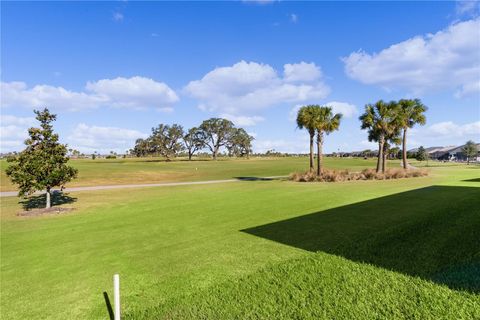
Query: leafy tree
194, 140
393, 152
142, 148
306, 119
239, 143
367, 153
217, 133
381, 120
166, 140
422, 154
470, 150
411, 112
43, 163
325, 123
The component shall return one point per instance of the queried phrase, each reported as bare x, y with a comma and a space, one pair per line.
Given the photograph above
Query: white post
116, 295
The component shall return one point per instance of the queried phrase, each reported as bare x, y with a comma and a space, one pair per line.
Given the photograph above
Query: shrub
345, 175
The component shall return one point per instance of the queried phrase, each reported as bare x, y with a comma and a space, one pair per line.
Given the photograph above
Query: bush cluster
346, 175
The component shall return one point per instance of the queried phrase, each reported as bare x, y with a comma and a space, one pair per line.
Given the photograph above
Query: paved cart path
164, 184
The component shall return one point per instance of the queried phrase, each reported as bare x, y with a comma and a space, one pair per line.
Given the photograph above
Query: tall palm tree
325, 123
411, 112
306, 120
381, 120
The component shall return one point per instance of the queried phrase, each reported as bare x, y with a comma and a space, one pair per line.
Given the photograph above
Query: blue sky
113, 70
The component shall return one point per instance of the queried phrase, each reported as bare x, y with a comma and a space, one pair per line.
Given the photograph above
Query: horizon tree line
212, 134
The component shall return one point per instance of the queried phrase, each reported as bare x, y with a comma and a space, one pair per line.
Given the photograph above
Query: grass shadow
254, 179
432, 233
108, 305
39, 201
472, 180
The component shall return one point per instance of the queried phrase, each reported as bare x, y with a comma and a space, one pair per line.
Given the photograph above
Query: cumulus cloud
135, 92
346, 109
449, 128
298, 72
88, 139
242, 121
448, 59
467, 8
247, 87
280, 145
14, 131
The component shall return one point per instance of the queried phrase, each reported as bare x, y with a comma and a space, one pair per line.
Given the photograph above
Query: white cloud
448, 59
468, 89
88, 139
14, 131
467, 7
302, 71
451, 129
136, 92
346, 109
247, 87
14, 120
293, 18
280, 145
117, 16
243, 121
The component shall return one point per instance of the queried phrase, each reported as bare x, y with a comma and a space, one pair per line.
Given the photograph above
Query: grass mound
346, 175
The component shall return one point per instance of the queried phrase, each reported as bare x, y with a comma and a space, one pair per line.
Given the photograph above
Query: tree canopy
217, 132
42, 165
382, 121
470, 150
422, 154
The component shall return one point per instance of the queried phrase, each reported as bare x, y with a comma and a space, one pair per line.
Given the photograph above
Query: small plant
366, 174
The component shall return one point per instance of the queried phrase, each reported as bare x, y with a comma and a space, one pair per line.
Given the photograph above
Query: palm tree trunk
49, 202
311, 152
384, 160
381, 142
319, 152
404, 149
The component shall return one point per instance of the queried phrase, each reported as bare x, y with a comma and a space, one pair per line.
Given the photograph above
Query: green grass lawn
154, 170
397, 249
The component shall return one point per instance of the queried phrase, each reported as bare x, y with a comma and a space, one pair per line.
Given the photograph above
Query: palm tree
381, 120
411, 112
325, 123
306, 120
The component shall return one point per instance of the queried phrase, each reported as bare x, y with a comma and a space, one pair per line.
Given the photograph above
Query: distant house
449, 153
442, 153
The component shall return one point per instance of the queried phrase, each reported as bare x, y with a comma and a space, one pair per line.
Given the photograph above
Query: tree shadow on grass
432, 233
253, 179
39, 201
